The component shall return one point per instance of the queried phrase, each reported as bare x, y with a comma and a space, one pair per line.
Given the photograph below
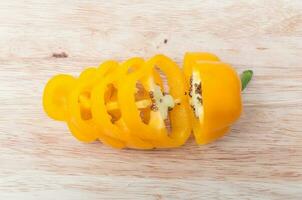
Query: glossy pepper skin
130, 104
221, 95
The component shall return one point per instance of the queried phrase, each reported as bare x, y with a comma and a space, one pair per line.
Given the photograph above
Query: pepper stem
245, 77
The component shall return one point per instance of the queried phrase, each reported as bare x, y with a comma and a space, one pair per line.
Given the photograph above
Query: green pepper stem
245, 77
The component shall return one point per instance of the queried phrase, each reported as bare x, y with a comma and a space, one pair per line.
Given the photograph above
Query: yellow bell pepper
55, 96
155, 129
218, 96
107, 114
80, 105
148, 104
67, 99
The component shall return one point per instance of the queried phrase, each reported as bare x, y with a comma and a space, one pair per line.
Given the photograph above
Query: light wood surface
261, 157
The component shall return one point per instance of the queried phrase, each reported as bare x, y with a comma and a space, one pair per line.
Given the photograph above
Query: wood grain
261, 158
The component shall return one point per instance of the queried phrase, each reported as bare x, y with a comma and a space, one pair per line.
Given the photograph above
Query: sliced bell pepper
152, 104
113, 123
55, 96
80, 104
214, 94
155, 129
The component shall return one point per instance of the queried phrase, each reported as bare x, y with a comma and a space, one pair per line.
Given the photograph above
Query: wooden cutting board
261, 157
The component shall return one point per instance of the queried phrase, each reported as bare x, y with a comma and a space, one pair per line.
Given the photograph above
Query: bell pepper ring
107, 113
55, 96
80, 104
160, 104
149, 104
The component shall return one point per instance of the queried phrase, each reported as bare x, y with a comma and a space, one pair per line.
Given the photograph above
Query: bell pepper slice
220, 96
55, 96
80, 106
156, 132
127, 104
178, 112
102, 113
